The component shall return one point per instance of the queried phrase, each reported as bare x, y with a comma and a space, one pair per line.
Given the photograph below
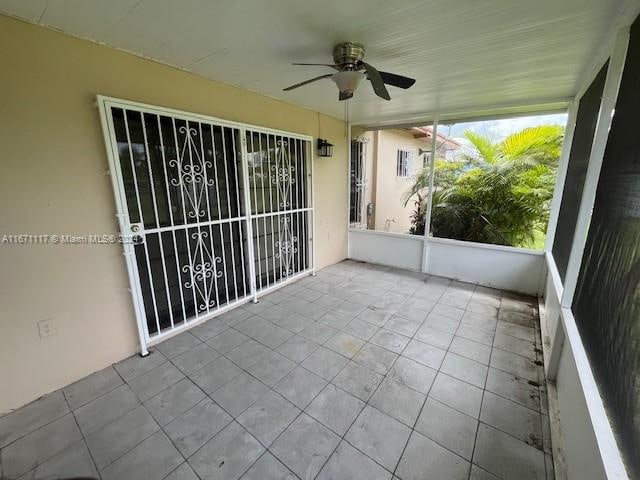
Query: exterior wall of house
390, 215
54, 180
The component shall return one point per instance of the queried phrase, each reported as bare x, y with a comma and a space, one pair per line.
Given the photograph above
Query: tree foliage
499, 193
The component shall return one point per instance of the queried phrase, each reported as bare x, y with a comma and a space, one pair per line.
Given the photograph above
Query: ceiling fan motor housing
348, 55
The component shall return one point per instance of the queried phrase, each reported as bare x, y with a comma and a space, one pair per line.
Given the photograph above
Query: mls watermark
68, 239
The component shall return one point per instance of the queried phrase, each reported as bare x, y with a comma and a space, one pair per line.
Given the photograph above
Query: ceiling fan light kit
348, 61
348, 80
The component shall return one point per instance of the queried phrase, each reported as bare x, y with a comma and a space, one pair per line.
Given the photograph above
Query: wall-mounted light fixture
325, 149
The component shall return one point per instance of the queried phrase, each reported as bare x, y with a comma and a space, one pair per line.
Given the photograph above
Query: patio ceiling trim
485, 112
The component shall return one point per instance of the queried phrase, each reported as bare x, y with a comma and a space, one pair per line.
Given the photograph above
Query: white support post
609, 96
311, 180
561, 174
348, 139
247, 212
427, 220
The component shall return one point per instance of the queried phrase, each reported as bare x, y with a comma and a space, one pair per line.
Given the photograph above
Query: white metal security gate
218, 211
280, 197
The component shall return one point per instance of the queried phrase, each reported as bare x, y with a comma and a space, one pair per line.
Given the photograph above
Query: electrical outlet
46, 328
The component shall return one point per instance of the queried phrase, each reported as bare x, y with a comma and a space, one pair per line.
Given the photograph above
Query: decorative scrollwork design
283, 175
202, 271
192, 175
286, 246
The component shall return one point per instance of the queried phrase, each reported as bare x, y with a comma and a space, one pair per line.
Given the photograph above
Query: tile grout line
84, 439
413, 430
347, 279
143, 406
349, 360
365, 404
475, 441
234, 418
384, 376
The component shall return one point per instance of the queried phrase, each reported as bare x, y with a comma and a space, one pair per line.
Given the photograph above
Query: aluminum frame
203, 225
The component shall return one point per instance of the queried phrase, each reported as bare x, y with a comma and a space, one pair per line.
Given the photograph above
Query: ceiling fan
351, 70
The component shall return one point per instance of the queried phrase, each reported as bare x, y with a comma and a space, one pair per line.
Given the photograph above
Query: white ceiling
464, 54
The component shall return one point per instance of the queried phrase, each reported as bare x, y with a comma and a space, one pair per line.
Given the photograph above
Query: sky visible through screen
498, 130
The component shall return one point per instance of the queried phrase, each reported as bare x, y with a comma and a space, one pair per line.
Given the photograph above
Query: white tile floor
363, 372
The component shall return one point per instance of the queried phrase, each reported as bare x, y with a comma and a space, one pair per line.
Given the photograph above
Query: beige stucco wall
53, 179
389, 188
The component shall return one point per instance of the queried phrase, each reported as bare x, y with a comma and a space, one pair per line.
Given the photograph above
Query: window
426, 158
403, 163
494, 180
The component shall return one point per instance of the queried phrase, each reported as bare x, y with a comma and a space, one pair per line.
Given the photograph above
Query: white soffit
464, 54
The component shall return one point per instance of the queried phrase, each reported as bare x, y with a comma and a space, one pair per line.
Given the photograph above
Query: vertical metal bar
364, 182
108, 131
255, 200
146, 251
155, 212
296, 244
353, 176
273, 248
233, 257
311, 214
247, 205
358, 178
249, 218
304, 246
224, 253
355, 145
427, 220
211, 252
179, 159
348, 199
361, 147
173, 233
264, 218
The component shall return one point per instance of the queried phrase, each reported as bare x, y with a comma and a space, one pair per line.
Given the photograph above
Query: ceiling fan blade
345, 95
315, 79
376, 81
397, 80
317, 64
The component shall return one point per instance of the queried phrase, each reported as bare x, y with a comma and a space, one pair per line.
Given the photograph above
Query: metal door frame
105, 104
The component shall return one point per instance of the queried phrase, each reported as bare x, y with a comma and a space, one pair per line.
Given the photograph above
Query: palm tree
499, 193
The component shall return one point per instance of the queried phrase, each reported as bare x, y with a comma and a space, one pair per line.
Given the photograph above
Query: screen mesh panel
607, 300
586, 120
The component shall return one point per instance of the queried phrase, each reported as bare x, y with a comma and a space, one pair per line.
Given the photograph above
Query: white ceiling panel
88, 19
30, 11
463, 53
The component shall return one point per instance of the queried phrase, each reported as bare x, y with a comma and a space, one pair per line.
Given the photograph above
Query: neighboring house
384, 165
